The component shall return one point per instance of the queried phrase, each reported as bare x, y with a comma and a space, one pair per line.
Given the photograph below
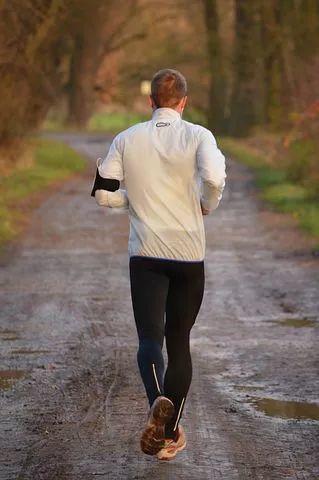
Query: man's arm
117, 199
212, 171
109, 173
110, 184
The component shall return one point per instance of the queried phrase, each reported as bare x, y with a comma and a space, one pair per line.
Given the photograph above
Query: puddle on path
296, 322
23, 351
286, 409
8, 335
9, 377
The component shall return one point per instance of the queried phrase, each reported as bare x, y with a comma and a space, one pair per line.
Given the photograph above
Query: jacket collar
165, 113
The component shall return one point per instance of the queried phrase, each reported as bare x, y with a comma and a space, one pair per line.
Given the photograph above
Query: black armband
100, 183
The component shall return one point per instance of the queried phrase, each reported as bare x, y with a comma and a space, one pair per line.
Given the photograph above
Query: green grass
114, 122
277, 188
238, 151
53, 161
99, 122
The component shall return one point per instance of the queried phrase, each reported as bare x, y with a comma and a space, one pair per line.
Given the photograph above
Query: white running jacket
169, 166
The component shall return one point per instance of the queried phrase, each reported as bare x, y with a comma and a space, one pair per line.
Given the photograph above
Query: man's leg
149, 287
184, 299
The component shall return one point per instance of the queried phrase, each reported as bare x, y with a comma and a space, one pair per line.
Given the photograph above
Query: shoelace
168, 442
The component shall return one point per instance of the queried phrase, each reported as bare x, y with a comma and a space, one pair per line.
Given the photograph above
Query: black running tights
174, 289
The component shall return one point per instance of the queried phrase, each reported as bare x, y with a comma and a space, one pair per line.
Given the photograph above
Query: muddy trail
72, 401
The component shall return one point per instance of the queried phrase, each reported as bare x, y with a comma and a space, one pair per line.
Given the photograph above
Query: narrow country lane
72, 401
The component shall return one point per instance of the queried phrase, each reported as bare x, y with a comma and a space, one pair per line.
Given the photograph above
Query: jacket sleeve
212, 170
112, 165
110, 184
117, 199
109, 173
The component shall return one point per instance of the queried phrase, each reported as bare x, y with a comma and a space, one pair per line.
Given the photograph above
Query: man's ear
182, 103
151, 101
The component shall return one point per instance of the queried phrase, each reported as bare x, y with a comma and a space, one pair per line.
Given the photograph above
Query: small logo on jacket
162, 124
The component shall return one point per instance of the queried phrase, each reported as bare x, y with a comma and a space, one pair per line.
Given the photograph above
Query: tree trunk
216, 119
81, 96
244, 92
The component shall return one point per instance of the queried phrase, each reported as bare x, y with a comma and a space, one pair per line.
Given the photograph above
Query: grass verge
276, 188
112, 122
53, 163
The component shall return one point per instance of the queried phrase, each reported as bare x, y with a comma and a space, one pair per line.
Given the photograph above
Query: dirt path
72, 401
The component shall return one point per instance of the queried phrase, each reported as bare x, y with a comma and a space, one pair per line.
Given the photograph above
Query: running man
174, 173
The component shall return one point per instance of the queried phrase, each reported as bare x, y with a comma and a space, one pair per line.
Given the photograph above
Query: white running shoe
171, 447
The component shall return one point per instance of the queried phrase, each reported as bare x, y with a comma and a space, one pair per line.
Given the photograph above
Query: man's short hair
168, 87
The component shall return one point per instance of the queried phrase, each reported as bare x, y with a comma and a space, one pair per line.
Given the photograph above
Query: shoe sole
170, 456
153, 437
